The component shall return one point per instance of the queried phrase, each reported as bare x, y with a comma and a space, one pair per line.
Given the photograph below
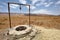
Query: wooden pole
29, 14
9, 15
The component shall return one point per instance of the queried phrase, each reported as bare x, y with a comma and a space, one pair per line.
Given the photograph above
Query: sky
50, 7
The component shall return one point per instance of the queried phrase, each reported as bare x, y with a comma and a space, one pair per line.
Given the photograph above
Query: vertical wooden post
9, 15
29, 14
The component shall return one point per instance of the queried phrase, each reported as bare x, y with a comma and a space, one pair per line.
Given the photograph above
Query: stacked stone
22, 32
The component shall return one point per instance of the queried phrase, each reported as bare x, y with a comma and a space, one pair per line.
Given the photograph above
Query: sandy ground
47, 34
44, 34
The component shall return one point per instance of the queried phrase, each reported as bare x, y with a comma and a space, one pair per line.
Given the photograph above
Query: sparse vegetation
2, 23
45, 21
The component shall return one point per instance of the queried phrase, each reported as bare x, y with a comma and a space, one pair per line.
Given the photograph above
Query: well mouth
20, 28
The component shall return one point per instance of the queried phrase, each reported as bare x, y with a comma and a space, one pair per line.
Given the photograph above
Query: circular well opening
20, 28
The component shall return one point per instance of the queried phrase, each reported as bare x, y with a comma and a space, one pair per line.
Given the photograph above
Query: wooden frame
9, 11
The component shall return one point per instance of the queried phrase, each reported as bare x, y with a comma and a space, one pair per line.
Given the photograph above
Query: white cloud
31, 7
42, 2
58, 2
13, 6
48, 4
45, 4
1, 6
23, 1
42, 11
34, 1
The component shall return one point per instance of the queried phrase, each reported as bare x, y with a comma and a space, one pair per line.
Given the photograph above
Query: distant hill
26, 14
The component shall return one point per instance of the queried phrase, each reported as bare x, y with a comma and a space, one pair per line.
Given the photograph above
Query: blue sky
51, 7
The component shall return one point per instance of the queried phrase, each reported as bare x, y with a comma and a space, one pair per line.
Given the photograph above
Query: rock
33, 32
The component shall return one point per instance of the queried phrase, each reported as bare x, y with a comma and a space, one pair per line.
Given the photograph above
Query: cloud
3, 3
23, 1
42, 2
35, 1
48, 4
31, 7
45, 4
14, 6
42, 11
58, 2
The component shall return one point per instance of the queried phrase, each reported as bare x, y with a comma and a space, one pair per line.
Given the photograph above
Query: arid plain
47, 21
